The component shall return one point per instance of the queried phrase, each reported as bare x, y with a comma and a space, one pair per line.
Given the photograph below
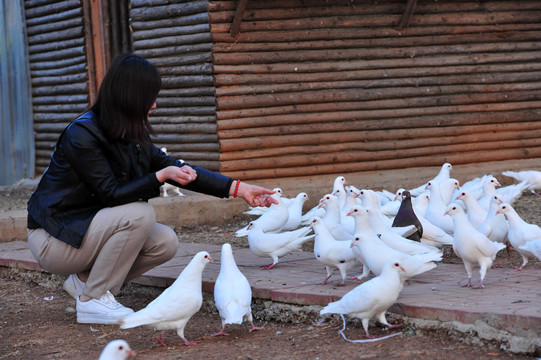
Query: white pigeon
166, 186
276, 245
394, 240
351, 200
447, 189
294, 211
471, 246
339, 187
511, 193
495, 225
117, 350
334, 254
232, 293
520, 232
420, 203
436, 209
432, 235
390, 208
272, 220
476, 213
534, 247
489, 190
372, 298
533, 177
362, 225
259, 210
174, 307
332, 218
443, 174
377, 253
473, 186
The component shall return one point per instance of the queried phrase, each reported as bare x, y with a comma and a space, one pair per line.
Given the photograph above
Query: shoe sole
94, 319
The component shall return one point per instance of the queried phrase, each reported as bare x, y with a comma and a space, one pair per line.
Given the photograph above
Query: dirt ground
38, 321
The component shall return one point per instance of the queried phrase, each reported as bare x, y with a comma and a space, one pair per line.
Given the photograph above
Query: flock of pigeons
395, 236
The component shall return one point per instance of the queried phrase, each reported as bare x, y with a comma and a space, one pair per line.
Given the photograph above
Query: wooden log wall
176, 38
334, 86
58, 70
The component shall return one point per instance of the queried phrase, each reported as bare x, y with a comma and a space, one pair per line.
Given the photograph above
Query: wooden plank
405, 19
424, 137
245, 143
435, 159
237, 18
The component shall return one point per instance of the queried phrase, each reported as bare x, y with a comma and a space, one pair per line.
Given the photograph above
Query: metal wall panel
17, 149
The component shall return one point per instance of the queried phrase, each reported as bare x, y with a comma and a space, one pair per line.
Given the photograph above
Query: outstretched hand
253, 194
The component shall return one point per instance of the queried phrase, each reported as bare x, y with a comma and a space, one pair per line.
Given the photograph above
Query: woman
89, 217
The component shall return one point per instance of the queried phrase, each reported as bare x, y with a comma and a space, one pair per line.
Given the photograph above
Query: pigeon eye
120, 347
396, 264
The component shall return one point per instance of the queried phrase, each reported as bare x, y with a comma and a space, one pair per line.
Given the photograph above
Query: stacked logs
323, 87
176, 38
58, 70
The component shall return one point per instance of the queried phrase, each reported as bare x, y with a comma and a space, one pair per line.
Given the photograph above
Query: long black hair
128, 91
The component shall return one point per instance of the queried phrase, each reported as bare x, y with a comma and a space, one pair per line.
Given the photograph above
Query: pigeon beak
401, 268
210, 259
352, 244
498, 212
349, 213
131, 353
446, 213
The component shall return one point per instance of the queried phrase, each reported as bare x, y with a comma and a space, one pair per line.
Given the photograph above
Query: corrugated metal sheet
322, 86
17, 155
58, 67
176, 38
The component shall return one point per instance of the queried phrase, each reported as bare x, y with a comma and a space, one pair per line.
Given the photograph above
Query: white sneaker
74, 286
105, 310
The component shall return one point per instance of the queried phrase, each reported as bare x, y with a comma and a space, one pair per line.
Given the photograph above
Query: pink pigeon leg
221, 332
480, 285
468, 284
254, 328
188, 343
524, 262
159, 339
267, 267
325, 281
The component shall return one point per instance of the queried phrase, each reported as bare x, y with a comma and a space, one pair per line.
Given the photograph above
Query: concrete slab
510, 301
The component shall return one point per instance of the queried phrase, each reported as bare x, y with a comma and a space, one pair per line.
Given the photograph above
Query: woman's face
152, 108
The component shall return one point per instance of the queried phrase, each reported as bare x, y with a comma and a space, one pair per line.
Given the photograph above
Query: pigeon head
117, 349
204, 257
355, 210
453, 209
399, 267
503, 208
462, 194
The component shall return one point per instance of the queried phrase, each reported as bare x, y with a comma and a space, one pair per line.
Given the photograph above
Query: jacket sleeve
86, 155
207, 182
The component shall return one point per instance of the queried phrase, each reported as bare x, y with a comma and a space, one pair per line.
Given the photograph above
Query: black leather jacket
87, 172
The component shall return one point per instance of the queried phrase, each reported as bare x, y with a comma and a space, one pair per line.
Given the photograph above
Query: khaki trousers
121, 243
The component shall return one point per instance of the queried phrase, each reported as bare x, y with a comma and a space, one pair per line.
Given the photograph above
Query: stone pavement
511, 300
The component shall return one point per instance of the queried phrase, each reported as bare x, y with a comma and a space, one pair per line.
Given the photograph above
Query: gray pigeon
406, 216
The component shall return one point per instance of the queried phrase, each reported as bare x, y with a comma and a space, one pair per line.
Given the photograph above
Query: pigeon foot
267, 267
479, 286
254, 328
221, 333
159, 339
188, 343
